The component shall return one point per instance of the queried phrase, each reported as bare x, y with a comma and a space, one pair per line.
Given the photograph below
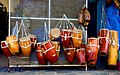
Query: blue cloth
113, 19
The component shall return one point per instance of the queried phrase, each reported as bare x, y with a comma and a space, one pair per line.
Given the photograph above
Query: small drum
92, 49
77, 37
25, 45
5, 49
81, 54
70, 53
113, 48
13, 44
49, 51
55, 33
65, 37
57, 47
33, 39
104, 41
40, 55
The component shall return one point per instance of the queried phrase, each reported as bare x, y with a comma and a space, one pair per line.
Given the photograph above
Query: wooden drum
5, 49
49, 51
104, 41
81, 54
77, 37
25, 45
65, 37
40, 55
92, 49
113, 48
13, 44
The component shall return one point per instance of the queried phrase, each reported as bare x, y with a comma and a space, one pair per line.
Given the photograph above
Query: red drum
65, 37
92, 49
81, 54
70, 53
5, 49
49, 51
40, 55
33, 39
104, 41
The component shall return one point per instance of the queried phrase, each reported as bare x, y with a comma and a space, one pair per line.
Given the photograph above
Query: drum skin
77, 38
55, 33
92, 49
69, 53
5, 49
57, 47
113, 48
104, 41
13, 44
49, 51
40, 55
65, 37
25, 44
81, 54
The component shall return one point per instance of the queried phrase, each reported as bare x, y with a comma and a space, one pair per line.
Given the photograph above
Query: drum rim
69, 30
11, 36
43, 43
93, 38
55, 42
28, 38
32, 36
104, 29
77, 31
39, 43
4, 46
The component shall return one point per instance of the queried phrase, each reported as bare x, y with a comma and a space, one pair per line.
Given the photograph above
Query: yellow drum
25, 45
57, 47
77, 37
113, 48
13, 44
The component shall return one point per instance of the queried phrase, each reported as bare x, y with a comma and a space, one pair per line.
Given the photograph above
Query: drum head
24, 39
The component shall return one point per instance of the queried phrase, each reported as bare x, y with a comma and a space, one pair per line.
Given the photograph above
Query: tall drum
104, 41
13, 44
81, 54
92, 49
49, 51
65, 37
5, 49
77, 37
40, 55
113, 48
25, 45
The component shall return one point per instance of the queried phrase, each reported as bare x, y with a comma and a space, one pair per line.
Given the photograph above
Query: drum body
33, 39
25, 45
77, 37
92, 49
104, 41
40, 55
81, 55
70, 53
113, 48
13, 44
49, 51
57, 47
65, 37
5, 49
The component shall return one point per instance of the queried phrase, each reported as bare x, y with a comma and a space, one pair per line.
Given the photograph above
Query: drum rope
26, 46
48, 49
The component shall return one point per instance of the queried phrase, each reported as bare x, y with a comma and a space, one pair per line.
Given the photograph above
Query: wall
6, 4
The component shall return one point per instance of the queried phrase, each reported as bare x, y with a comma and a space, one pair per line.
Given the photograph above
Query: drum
70, 53
55, 33
57, 47
13, 44
92, 49
49, 51
65, 37
5, 49
40, 55
104, 41
81, 54
33, 39
77, 37
25, 45
113, 48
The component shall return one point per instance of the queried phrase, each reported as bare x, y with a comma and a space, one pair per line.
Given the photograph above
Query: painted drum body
5, 49
40, 55
13, 44
25, 44
49, 51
